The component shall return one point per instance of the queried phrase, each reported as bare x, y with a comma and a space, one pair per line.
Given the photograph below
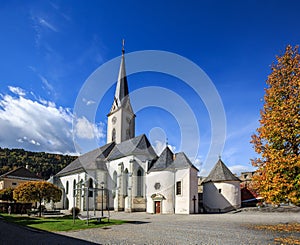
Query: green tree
278, 138
37, 191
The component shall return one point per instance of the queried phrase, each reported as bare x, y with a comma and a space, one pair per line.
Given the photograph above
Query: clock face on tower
114, 120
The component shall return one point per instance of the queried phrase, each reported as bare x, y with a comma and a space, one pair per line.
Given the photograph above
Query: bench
32, 212
52, 212
91, 217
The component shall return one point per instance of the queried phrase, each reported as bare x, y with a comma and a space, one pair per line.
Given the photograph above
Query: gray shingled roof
94, 159
139, 145
164, 160
20, 173
182, 161
168, 161
220, 173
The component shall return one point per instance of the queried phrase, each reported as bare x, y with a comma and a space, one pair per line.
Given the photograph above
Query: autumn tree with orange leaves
277, 139
37, 191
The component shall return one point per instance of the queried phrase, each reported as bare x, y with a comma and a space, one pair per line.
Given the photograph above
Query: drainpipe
174, 192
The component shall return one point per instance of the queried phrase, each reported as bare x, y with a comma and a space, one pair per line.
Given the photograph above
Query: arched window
67, 187
113, 135
90, 186
74, 187
115, 176
125, 182
127, 133
139, 183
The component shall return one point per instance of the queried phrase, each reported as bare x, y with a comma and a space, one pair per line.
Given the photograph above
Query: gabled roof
164, 160
20, 173
139, 145
220, 173
182, 161
170, 161
94, 159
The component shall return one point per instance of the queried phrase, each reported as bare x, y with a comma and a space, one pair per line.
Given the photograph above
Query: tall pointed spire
122, 85
121, 118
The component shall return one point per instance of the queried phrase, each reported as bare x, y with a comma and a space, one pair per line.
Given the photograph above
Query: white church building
129, 171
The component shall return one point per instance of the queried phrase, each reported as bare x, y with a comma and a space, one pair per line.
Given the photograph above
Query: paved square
230, 228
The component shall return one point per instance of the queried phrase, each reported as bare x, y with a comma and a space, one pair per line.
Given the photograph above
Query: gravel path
188, 229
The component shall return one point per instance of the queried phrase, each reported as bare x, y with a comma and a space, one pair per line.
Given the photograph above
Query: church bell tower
121, 119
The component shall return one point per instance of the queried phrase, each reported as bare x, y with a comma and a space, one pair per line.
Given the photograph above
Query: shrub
77, 210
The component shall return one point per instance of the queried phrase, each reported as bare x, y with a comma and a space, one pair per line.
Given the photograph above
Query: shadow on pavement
14, 234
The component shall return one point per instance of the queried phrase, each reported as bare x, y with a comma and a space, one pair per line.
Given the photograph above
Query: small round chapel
221, 190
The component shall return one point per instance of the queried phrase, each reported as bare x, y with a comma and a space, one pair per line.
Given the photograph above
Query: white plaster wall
117, 126
166, 180
121, 125
132, 164
229, 198
126, 125
182, 201
77, 177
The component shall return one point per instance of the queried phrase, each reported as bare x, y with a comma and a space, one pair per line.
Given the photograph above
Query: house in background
17, 176
221, 190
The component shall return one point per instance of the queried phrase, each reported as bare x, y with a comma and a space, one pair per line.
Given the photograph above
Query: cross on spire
123, 46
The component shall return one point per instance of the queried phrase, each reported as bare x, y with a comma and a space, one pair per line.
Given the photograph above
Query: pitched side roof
139, 145
182, 161
170, 161
20, 173
220, 173
91, 160
164, 161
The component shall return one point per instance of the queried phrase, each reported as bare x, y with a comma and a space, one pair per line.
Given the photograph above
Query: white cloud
41, 26
45, 23
198, 162
237, 169
38, 125
17, 90
84, 129
47, 85
88, 102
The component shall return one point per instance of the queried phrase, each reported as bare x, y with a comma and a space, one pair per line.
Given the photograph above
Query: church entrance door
157, 207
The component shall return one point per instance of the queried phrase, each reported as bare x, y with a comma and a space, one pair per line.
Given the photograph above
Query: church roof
182, 161
170, 161
164, 160
20, 173
139, 145
220, 173
94, 159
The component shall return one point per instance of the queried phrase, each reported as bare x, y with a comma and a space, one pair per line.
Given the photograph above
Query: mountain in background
41, 163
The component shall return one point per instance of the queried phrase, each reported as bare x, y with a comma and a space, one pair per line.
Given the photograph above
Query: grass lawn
59, 223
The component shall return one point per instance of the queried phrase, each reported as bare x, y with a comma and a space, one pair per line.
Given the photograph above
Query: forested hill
42, 163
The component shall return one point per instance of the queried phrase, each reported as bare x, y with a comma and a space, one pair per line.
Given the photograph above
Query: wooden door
157, 207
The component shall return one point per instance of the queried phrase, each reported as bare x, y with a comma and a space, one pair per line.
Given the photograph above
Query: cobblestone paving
231, 228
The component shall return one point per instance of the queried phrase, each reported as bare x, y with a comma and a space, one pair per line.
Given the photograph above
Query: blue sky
50, 48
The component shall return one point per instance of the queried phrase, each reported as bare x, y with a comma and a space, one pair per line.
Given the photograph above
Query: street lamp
102, 190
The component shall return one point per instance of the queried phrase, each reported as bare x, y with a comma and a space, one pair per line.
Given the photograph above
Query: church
126, 174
